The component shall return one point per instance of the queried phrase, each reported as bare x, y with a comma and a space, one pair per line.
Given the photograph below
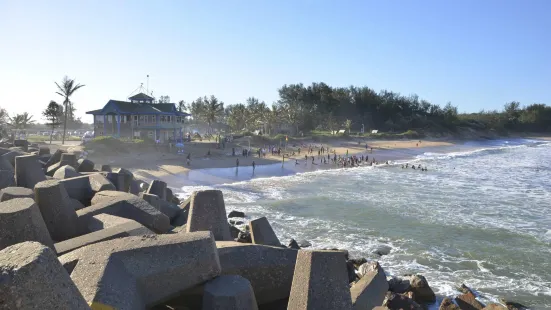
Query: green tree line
322, 107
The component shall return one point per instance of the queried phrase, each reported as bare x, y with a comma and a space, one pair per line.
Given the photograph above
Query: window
178, 119
163, 119
168, 120
142, 119
150, 134
98, 118
109, 119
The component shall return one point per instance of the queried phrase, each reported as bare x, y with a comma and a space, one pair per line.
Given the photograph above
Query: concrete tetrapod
84, 187
31, 277
15, 192
229, 293
269, 269
262, 232
207, 211
370, 290
157, 187
28, 171
320, 282
57, 209
124, 205
21, 220
141, 272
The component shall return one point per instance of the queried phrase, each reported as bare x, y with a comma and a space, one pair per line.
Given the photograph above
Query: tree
213, 110
164, 99
347, 124
3, 122
53, 114
66, 90
20, 121
182, 107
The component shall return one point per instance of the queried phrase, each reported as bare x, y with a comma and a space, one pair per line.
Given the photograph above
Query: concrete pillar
104, 122
118, 118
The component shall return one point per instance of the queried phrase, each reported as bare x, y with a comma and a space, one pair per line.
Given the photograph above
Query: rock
468, 302
495, 306
447, 304
293, 245
23, 144
157, 187
420, 287
6, 179
57, 209
370, 290
43, 150
269, 269
85, 165
15, 192
65, 172
351, 271
382, 250
31, 277
262, 232
395, 301
125, 229
20, 220
304, 244
207, 211
229, 293
55, 158
128, 206
236, 223
398, 285
358, 262
236, 214
244, 237
322, 272
28, 171
511, 305
464, 289
139, 272
83, 188
234, 232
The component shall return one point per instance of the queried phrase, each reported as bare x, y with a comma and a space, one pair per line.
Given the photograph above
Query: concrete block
128, 206
55, 158
28, 171
50, 170
15, 192
158, 188
23, 144
207, 211
65, 172
68, 159
127, 176
370, 290
20, 220
117, 179
152, 200
320, 281
134, 188
262, 232
126, 229
83, 188
269, 269
43, 150
31, 277
230, 293
105, 168
85, 165
104, 221
141, 272
7, 179
11, 155
57, 209
169, 195
6, 165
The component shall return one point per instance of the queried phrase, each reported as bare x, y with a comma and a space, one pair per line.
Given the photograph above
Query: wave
480, 152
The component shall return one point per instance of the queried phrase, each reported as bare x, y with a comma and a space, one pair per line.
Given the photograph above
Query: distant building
139, 118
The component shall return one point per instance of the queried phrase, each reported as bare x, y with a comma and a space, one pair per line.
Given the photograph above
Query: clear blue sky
476, 54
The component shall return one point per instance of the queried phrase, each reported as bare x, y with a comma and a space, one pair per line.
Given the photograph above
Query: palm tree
347, 124
20, 121
213, 109
66, 90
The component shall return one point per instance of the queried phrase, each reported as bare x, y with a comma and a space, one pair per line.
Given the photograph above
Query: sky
475, 54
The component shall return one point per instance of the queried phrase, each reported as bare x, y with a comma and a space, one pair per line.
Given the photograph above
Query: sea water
481, 217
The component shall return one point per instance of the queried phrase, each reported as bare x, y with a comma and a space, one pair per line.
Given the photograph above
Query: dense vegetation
322, 107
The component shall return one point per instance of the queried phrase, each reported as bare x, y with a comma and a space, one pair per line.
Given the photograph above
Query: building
139, 118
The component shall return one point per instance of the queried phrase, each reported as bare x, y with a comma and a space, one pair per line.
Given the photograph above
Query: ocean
480, 215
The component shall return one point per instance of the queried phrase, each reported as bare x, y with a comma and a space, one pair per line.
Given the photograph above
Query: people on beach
254, 165
237, 163
188, 159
